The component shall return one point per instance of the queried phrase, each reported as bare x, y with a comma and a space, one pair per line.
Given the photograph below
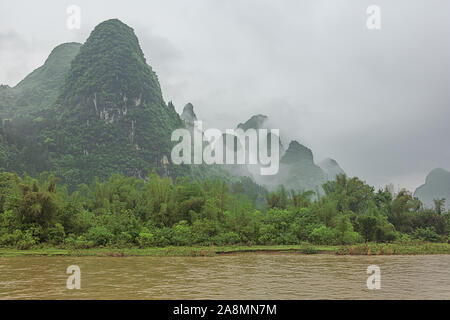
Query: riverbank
362, 249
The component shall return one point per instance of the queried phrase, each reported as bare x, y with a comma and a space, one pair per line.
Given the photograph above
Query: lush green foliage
98, 111
105, 113
125, 211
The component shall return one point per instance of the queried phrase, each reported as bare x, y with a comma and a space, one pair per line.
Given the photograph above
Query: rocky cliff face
110, 115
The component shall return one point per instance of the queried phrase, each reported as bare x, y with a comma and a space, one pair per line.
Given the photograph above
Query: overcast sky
377, 101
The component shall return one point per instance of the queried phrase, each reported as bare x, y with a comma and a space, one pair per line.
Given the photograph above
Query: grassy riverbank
419, 248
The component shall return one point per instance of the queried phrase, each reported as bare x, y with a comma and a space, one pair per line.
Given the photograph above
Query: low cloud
376, 101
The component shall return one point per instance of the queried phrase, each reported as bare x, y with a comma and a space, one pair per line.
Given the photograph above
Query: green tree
368, 225
38, 203
439, 205
350, 194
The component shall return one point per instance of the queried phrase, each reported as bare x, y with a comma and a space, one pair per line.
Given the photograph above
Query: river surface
238, 276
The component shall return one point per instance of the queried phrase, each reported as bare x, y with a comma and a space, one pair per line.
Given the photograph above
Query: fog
377, 101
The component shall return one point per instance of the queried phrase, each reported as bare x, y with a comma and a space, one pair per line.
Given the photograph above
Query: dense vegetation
105, 113
126, 212
96, 110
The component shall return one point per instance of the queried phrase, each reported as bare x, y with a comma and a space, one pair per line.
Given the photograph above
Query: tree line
126, 211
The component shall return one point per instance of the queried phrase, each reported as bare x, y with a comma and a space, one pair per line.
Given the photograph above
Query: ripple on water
243, 276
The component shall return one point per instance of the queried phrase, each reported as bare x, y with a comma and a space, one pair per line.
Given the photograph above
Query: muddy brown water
240, 276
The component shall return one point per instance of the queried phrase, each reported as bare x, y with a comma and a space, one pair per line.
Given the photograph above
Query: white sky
376, 101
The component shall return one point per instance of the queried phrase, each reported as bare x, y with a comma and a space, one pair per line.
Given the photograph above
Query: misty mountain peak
110, 111
52, 73
255, 122
59, 53
111, 70
331, 168
297, 152
188, 114
40, 88
437, 174
329, 161
437, 186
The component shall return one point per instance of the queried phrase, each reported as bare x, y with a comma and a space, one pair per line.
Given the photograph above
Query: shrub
287, 238
10, 239
427, 234
163, 237
26, 241
352, 238
21, 239
100, 236
56, 234
323, 235
268, 234
403, 238
300, 231
69, 241
226, 238
181, 234
203, 231
145, 238
82, 243
310, 250
124, 238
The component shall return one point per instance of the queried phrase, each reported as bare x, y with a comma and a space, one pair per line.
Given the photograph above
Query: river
237, 276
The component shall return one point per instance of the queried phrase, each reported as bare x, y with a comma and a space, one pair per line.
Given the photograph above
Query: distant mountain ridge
102, 112
297, 169
255, 122
96, 108
41, 87
437, 186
